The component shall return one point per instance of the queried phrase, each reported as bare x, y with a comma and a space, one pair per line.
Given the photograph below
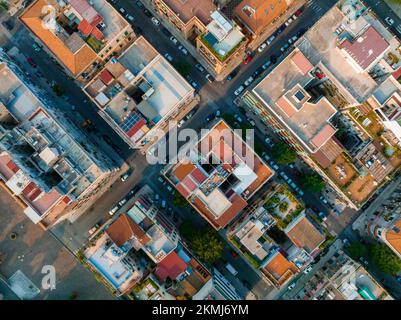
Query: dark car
8, 25
273, 59
247, 284
232, 75
139, 4
166, 32
147, 13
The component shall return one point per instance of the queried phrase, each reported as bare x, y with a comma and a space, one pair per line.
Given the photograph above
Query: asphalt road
382, 11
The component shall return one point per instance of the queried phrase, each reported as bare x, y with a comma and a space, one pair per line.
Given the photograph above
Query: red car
298, 12
31, 62
247, 59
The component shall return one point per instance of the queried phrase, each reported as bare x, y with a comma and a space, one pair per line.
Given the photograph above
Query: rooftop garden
220, 57
284, 206
94, 43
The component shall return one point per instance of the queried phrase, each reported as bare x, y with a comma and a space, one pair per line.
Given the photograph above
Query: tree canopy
312, 182
207, 246
385, 259
283, 154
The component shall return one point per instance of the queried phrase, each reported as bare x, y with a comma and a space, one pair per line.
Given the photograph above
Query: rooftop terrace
137, 90
285, 91
188, 9
80, 30
219, 179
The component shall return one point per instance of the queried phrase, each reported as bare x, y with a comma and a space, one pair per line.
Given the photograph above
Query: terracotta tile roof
183, 169
171, 266
77, 62
304, 235
182, 190
393, 237
198, 175
258, 14
85, 28
280, 269
366, 48
237, 205
124, 229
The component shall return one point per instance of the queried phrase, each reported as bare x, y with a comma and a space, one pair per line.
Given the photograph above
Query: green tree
357, 250
283, 207
312, 182
179, 200
385, 259
183, 68
207, 246
283, 154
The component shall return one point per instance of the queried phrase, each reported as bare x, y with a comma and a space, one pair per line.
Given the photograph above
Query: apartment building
139, 254
82, 35
140, 93
217, 288
46, 162
219, 176
262, 18
341, 278
338, 71
216, 41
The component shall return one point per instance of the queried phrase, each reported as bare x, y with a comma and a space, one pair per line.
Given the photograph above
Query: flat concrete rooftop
283, 93
320, 45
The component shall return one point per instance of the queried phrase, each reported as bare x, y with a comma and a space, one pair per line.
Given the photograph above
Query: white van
231, 269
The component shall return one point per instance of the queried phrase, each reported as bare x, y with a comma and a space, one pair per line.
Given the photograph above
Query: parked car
239, 90
165, 31
323, 199
209, 78
155, 21
346, 242
270, 40
130, 18
147, 13
7, 25
249, 81
180, 123
194, 84
398, 28
389, 21
292, 39
284, 47
291, 286
238, 118
168, 57
122, 202
232, 75
200, 67
231, 269
308, 269
122, 10
262, 47
273, 59
31, 62
113, 210
364, 261
139, 4
266, 65
36, 47
174, 40
125, 176
248, 59
182, 49
322, 215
